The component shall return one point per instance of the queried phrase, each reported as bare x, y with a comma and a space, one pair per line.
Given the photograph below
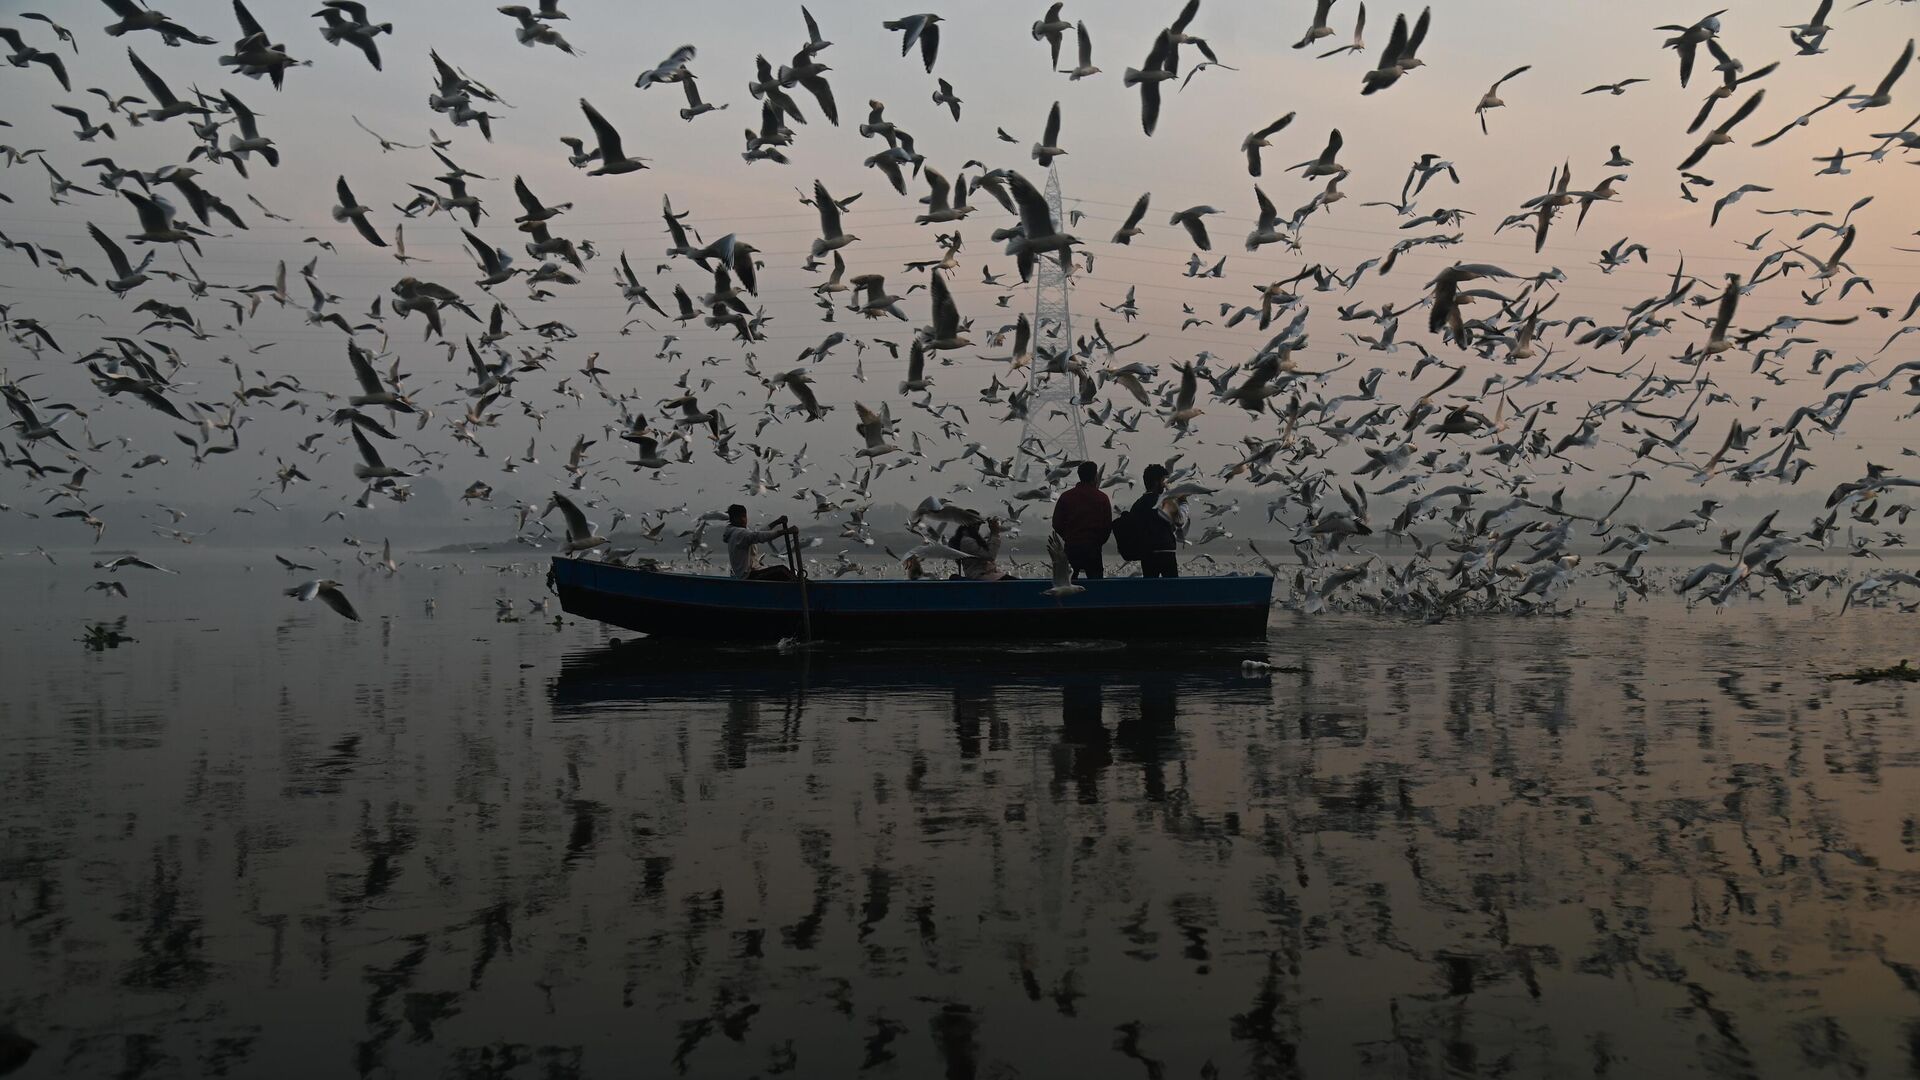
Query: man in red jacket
1084, 519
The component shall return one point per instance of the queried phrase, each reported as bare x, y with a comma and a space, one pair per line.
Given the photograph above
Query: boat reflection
644, 672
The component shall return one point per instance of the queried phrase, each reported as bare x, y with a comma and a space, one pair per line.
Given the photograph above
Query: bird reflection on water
1633, 845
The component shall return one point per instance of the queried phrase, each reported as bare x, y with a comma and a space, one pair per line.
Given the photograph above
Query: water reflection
1647, 845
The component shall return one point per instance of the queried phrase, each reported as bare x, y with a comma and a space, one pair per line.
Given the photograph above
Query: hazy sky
1002, 74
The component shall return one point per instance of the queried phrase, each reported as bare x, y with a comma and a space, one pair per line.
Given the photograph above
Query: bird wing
946, 317
163, 97
1396, 43
1846, 241
367, 452
249, 126
114, 255
489, 261
1419, 31
1899, 69
930, 43
363, 369
331, 596
577, 525
249, 26
525, 195
1745, 110
1036, 217
829, 211
603, 133
1723, 319
1187, 13
823, 94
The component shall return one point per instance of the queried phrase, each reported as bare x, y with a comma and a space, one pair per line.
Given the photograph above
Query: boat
673, 605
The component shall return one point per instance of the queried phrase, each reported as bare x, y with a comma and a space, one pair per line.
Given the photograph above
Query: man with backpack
1147, 529
1084, 517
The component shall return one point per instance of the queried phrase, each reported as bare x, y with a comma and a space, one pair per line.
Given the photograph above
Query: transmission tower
1054, 408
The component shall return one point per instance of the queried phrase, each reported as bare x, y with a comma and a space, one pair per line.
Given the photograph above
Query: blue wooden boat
725, 609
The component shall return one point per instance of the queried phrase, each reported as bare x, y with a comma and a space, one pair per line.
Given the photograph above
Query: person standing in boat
1084, 519
1158, 516
741, 541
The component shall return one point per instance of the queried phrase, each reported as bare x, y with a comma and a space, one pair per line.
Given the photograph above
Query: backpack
1132, 537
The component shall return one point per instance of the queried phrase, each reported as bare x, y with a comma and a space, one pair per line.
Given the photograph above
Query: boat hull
726, 609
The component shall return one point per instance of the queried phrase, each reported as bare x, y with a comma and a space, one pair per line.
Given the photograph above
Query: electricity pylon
1053, 425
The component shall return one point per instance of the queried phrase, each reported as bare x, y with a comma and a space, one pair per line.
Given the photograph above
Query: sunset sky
993, 63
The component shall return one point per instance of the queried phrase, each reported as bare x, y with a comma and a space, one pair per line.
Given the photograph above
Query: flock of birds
1454, 457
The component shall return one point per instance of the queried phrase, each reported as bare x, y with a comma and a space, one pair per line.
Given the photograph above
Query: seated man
742, 559
981, 552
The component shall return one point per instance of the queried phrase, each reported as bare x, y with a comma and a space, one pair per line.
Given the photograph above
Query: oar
800, 574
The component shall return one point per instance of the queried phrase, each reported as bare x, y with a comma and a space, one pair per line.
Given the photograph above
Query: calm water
262, 841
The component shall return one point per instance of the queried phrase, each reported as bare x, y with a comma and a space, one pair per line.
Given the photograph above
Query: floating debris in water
1901, 672
103, 636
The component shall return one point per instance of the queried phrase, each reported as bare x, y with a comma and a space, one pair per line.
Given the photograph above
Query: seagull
1162, 64
371, 467
1193, 220
1084, 68
1720, 136
166, 106
1130, 228
349, 209
157, 225
580, 532
946, 96
1734, 196
669, 70
249, 141
135, 16
126, 277
88, 129
1491, 99
831, 237
328, 591
1359, 43
1256, 141
532, 31
815, 43
873, 427
613, 159
113, 566
1325, 164
695, 107
346, 20
1687, 39
1614, 88
1883, 95
23, 54
1267, 229
386, 145
1320, 28
1048, 147
924, 29
1063, 585
1052, 29
1398, 57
